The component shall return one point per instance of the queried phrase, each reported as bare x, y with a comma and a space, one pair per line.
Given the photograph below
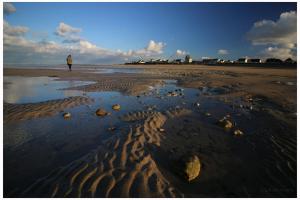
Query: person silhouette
69, 62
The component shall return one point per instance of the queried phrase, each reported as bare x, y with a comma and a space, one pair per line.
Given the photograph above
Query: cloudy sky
104, 33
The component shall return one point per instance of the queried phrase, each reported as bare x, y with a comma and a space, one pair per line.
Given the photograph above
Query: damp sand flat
130, 152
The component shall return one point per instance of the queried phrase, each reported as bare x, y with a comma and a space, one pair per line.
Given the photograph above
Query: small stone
208, 114
111, 128
174, 94
101, 112
116, 107
161, 130
225, 123
238, 132
67, 115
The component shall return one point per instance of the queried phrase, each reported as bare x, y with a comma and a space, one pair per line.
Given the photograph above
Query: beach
240, 122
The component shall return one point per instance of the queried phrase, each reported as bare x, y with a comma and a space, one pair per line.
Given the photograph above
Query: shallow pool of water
33, 148
18, 89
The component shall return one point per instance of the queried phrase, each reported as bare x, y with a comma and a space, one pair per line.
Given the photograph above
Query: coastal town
216, 61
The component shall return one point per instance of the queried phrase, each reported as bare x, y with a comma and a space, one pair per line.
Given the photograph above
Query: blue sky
119, 32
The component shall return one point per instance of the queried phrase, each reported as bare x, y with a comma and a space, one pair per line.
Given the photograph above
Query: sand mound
124, 85
141, 115
121, 167
14, 112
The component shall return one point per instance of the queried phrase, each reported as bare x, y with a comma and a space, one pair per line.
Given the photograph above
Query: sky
110, 33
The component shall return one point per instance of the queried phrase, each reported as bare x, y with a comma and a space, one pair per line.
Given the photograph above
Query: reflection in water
36, 89
43, 144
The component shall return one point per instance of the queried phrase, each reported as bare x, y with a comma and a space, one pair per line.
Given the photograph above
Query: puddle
19, 89
52, 141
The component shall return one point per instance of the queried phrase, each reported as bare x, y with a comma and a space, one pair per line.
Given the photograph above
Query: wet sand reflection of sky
37, 89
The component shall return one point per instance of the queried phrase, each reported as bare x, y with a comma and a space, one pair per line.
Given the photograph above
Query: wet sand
16, 112
137, 160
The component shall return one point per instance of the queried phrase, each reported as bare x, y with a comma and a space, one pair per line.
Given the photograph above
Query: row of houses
213, 61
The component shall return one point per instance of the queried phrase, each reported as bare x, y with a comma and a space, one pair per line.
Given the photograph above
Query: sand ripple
121, 167
128, 86
15, 112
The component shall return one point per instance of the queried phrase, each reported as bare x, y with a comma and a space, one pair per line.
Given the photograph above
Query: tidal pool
18, 89
33, 148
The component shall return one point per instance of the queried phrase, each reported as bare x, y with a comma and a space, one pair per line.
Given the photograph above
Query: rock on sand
101, 112
225, 123
188, 166
116, 107
67, 115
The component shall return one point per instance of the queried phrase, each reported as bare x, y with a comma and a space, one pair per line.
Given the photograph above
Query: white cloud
223, 52
8, 8
180, 52
13, 30
280, 36
68, 33
155, 47
280, 52
151, 50
283, 31
64, 30
19, 49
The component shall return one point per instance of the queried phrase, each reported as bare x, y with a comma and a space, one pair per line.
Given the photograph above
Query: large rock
188, 167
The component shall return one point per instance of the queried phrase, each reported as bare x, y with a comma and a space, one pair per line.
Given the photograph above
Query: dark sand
137, 161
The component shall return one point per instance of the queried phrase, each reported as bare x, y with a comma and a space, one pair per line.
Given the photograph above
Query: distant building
196, 62
188, 59
290, 61
176, 61
254, 60
228, 62
141, 62
221, 61
242, 60
273, 60
210, 61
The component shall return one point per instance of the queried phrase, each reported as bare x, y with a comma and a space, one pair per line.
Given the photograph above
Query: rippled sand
16, 112
136, 161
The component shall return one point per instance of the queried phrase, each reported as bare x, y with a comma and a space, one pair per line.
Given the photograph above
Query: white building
188, 59
254, 60
242, 60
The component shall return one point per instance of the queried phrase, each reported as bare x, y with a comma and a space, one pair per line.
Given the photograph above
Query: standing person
69, 62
